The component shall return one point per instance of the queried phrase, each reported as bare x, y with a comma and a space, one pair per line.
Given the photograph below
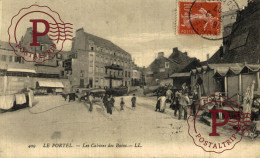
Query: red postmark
222, 134
45, 33
203, 18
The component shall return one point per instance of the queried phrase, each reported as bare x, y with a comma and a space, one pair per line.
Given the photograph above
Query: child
133, 100
122, 103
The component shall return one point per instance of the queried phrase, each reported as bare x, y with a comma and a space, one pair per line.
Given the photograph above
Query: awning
20, 70
182, 74
50, 84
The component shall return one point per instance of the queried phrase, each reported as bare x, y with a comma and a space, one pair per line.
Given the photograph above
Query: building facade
97, 62
17, 74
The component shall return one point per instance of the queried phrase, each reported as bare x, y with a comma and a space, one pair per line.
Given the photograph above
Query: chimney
160, 54
175, 49
79, 31
185, 53
208, 57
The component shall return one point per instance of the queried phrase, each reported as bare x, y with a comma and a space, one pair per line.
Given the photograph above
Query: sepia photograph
129, 78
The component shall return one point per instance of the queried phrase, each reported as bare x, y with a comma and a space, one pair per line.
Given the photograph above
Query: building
17, 74
161, 69
97, 62
138, 76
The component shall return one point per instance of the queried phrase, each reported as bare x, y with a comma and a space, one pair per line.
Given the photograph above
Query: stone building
97, 62
162, 68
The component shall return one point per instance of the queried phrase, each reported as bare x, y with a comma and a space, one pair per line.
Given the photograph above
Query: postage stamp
45, 31
212, 138
208, 19
202, 18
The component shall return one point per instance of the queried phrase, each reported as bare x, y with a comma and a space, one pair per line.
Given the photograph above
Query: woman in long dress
163, 103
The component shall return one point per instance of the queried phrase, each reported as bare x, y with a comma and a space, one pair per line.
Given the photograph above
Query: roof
104, 42
222, 71
180, 74
50, 84
185, 63
6, 45
232, 65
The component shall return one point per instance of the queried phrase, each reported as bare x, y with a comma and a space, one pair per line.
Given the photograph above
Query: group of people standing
179, 101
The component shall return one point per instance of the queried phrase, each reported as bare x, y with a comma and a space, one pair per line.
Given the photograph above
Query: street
67, 127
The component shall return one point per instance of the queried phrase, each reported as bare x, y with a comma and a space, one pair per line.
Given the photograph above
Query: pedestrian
133, 100
184, 102
64, 95
169, 95
177, 102
113, 102
162, 103
122, 103
157, 107
194, 105
90, 98
109, 105
105, 100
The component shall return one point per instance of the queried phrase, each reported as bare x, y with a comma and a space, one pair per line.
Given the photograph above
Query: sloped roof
104, 42
183, 60
180, 57
233, 65
5, 45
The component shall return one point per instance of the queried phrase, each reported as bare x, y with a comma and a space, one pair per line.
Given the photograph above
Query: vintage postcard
129, 78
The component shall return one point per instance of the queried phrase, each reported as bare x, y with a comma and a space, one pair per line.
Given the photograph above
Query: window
167, 65
18, 59
92, 48
10, 58
81, 73
125, 73
129, 74
3, 57
41, 47
96, 68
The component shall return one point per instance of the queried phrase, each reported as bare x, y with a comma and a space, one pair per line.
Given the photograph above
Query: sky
141, 27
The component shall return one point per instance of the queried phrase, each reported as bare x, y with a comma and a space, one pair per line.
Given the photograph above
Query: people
177, 102
158, 103
90, 98
133, 100
184, 102
112, 99
105, 100
169, 94
195, 98
162, 103
109, 104
122, 103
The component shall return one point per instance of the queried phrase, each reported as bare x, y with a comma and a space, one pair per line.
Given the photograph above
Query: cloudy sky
141, 27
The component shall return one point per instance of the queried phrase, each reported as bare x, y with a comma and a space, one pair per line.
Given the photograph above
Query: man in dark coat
110, 103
